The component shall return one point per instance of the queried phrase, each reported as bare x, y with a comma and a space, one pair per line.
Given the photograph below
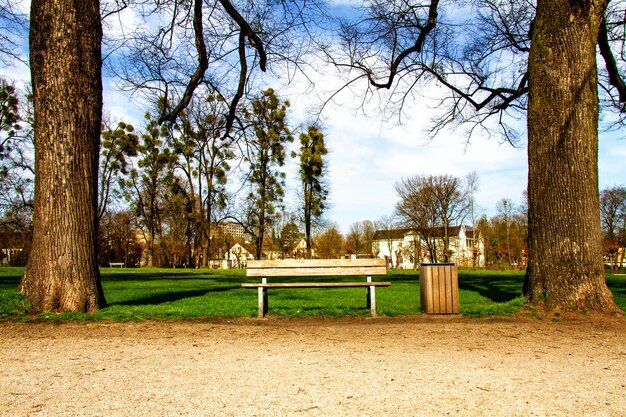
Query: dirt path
421, 366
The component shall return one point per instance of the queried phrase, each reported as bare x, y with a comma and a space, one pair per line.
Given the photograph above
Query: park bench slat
315, 267
317, 284
309, 271
315, 263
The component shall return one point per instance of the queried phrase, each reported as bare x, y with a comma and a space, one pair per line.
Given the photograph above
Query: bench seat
317, 284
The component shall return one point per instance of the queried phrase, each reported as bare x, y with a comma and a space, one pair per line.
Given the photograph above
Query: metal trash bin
439, 288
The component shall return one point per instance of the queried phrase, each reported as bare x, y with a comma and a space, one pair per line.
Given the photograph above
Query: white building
404, 249
239, 255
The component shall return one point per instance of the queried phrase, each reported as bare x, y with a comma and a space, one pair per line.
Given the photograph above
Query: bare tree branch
247, 31
416, 48
203, 64
13, 30
611, 65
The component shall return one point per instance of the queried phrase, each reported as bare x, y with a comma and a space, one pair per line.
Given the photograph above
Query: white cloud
611, 157
21, 6
119, 24
119, 106
18, 73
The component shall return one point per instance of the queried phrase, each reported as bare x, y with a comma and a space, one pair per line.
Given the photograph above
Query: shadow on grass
617, 287
160, 276
617, 284
400, 278
172, 296
496, 287
10, 279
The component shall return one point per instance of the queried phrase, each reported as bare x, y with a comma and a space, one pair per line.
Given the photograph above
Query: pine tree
266, 154
312, 171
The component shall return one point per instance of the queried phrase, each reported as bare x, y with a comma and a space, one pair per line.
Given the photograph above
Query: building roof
245, 246
390, 234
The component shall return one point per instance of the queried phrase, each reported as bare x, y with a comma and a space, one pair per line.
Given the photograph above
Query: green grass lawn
136, 294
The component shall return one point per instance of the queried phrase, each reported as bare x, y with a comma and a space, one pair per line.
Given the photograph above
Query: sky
368, 155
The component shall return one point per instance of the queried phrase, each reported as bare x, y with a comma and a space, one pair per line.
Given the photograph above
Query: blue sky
369, 154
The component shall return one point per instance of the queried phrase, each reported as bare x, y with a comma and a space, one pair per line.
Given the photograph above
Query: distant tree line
163, 190
180, 181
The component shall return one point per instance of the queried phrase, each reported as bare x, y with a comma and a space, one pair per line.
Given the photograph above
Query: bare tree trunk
62, 272
565, 250
307, 228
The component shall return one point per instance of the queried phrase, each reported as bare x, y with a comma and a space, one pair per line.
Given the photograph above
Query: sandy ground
417, 366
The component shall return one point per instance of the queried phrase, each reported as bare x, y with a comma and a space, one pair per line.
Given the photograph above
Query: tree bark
65, 57
565, 267
308, 215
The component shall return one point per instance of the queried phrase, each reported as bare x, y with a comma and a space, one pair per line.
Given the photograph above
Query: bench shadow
317, 310
160, 276
497, 288
171, 296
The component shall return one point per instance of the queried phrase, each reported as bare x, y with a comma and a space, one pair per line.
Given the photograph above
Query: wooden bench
118, 264
316, 268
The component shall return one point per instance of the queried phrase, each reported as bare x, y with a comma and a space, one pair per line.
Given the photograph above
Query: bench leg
371, 298
262, 295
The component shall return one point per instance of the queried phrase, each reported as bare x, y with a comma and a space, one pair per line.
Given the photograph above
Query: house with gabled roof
239, 254
406, 248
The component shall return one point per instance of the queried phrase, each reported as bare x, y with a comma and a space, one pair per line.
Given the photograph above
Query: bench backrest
316, 267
